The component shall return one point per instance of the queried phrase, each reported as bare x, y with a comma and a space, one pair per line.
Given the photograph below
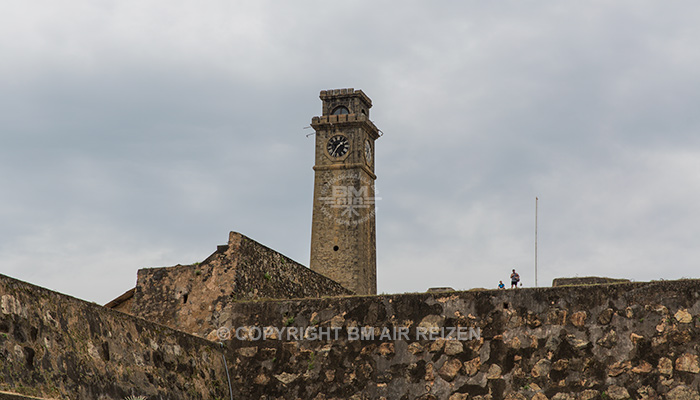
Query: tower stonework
343, 232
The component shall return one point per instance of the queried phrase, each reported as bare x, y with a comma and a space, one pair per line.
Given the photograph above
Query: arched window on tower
340, 110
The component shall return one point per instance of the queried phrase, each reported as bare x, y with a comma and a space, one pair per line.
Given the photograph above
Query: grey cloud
139, 135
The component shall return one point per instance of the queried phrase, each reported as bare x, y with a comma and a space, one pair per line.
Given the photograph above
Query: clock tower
343, 230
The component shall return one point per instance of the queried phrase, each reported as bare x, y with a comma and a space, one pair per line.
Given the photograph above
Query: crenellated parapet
342, 118
349, 92
328, 121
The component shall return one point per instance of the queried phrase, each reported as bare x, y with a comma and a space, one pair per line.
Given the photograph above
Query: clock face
338, 145
368, 152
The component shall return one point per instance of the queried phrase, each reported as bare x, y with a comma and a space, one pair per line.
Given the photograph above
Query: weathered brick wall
632, 340
191, 298
55, 346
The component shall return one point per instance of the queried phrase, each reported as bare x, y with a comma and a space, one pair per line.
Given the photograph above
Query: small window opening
335, 248
505, 306
340, 110
184, 298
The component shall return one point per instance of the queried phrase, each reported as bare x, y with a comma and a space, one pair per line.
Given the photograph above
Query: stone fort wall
191, 298
630, 340
55, 346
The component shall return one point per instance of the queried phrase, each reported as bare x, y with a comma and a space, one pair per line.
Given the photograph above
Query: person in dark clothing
514, 279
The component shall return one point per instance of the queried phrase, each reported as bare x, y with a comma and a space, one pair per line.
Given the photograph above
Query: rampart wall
632, 340
55, 346
618, 341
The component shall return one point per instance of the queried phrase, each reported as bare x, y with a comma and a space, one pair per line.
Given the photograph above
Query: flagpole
536, 209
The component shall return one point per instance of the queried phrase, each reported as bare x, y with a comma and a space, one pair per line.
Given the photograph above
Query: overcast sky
139, 133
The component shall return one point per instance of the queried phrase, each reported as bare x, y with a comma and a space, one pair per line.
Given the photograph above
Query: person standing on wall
514, 279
